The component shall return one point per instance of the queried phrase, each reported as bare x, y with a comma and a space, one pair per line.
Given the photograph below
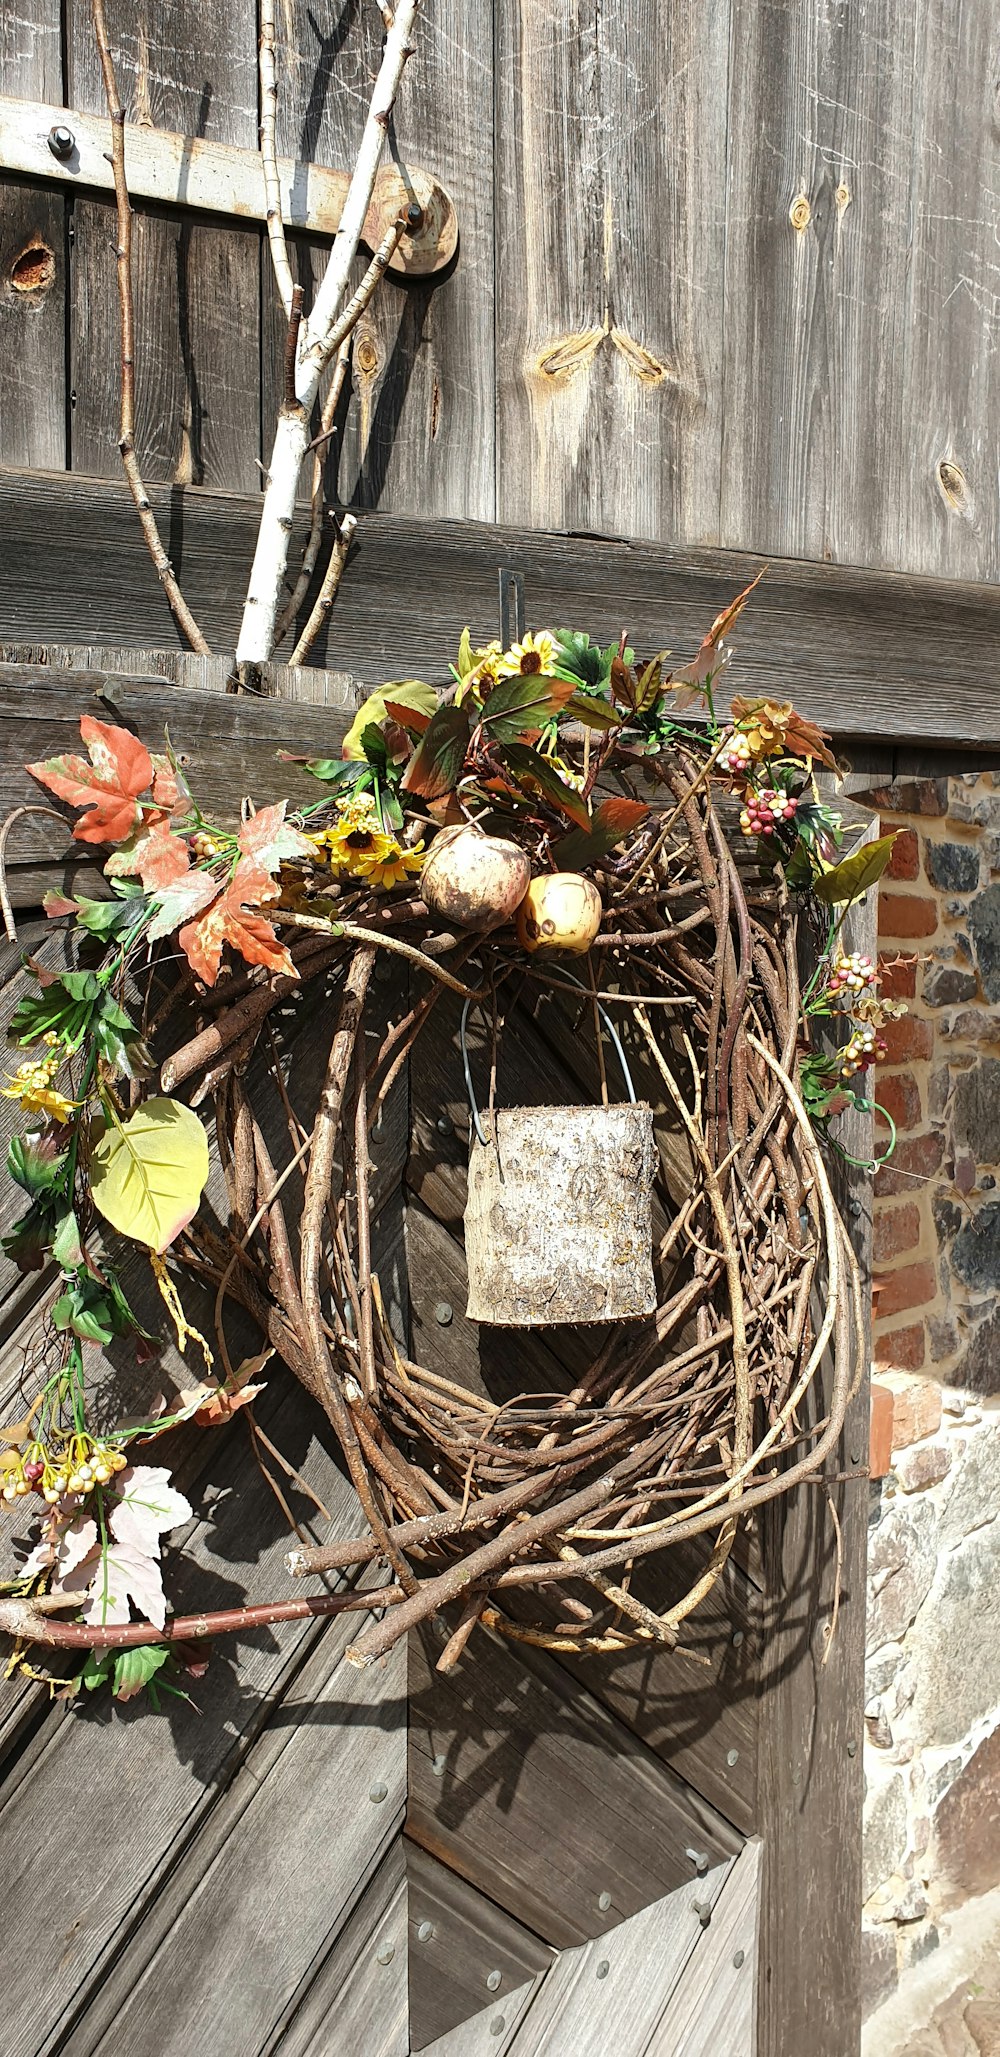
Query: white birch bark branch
319, 338
268, 66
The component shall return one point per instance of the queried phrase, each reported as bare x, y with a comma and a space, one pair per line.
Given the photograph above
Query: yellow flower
31, 1084
483, 669
534, 653
392, 868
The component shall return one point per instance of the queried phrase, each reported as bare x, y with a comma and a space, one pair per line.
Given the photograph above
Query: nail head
445, 1125
497, 2025
739, 1957
852, 1749
604, 1902
737, 1638
493, 1980
378, 1792
444, 1313
425, 1930
603, 1968
386, 1956
732, 1756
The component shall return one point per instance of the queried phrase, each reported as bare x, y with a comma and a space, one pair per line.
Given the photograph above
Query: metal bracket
44, 142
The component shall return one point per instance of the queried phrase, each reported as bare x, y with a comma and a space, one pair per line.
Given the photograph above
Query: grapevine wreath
562, 817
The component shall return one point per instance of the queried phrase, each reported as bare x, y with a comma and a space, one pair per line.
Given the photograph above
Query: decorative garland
557, 798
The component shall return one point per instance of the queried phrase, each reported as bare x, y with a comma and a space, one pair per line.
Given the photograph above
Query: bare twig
315, 537
328, 591
126, 443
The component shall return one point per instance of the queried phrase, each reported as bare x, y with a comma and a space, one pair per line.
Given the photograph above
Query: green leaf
614, 820
405, 692
436, 765
373, 745
522, 703
104, 917
848, 880
148, 1174
35, 1164
66, 1246
55, 1010
530, 768
334, 771
27, 1242
97, 1669
593, 710
136, 1667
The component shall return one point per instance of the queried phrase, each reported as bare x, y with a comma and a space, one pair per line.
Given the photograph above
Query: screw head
603, 1968
386, 1956
444, 1125
414, 217
604, 1902
444, 1313
732, 1756
739, 1957
62, 142
425, 1930
493, 1981
378, 1792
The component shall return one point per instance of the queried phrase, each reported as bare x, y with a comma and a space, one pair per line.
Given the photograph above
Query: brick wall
932, 1714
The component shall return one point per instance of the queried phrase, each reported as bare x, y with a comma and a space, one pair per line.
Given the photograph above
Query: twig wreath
556, 806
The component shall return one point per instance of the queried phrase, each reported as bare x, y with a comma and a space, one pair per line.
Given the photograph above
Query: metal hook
467, 1068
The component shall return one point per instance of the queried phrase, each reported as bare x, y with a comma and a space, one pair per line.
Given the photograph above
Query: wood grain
32, 323
180, 65
611, 223
458, 1939
870, 654
810, 1749
544, 1801
710, 2012
352, 1985
612, 1993
488, 2033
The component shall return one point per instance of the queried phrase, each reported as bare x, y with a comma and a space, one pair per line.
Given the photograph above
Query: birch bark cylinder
558, 1222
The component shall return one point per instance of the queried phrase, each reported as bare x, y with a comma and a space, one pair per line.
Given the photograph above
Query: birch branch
327, 592
319, 339
268, 66
318, 448
123, 252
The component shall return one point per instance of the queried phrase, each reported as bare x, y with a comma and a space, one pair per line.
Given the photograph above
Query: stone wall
932, 1750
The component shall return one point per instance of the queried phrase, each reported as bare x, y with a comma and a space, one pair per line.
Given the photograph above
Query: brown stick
21, 1619
126, 442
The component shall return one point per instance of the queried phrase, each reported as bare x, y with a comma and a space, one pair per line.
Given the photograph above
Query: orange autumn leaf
774, 730
269, 839
154, 853
231, 919
108, 787
711, 657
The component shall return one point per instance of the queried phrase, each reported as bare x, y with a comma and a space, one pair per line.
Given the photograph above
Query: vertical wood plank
809, 1768
421, 438
32, 326
818, 250
193, 69
611, 126
198, 366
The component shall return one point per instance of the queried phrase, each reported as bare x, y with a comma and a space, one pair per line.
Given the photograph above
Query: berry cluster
766, 810
737, 755
205, 845
863, 1048
852, 973
81, 1464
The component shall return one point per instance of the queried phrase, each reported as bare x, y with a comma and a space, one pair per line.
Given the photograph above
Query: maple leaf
108, 787
147, 1505
226, 921
111, 1578
153, 853
268, 838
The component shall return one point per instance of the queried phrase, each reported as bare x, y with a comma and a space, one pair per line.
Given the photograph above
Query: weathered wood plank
870, 654
710, 2012
809, 1767
32, 326
324, 1809
611, 142
544, 1801
180, 66
815, 283
611, 1993
360, 1985
488, 2033
421, 435
459, 1940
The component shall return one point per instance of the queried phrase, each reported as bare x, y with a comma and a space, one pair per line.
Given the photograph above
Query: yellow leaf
147, 1174
405, 692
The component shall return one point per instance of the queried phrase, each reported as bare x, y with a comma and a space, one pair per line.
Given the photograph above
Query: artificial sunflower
391, 867
31, 1084
481, 668
534, 653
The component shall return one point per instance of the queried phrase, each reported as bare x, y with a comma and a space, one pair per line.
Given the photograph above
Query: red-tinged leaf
268, 838
412, 719
108, 787
711, 657
193, 1657
228, 921
168, 788
533, 771
436, 765
613, 820
154, 854
723, 622
56, 905
447, 810
523, 704
180, 902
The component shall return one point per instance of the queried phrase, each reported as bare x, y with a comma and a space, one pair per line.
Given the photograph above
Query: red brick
916, 1406
907, 1040
897, 1229
899, 977
880, 1434
904, 863
913, 1162
911, 1286
906, 914
899, 1094
903, 1349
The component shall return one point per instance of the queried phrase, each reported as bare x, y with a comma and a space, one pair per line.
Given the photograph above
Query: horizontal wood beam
901, 670
47, 142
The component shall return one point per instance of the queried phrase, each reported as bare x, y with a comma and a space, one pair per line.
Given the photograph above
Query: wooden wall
727, 273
